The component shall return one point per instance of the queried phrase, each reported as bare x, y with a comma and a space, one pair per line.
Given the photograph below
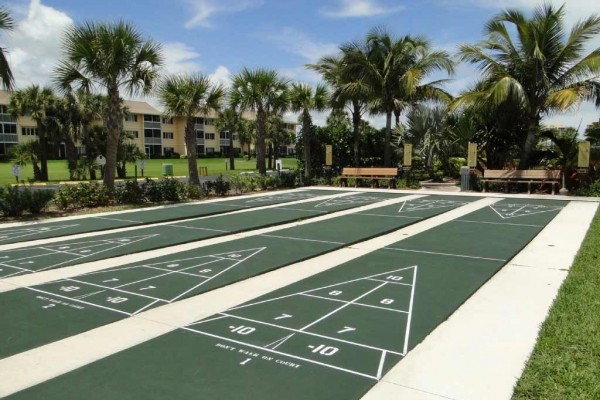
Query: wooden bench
375, 174
528, 176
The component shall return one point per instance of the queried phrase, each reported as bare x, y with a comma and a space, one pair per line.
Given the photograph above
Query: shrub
219, 186
10, 202
288, 179
129, 192
238, 183
36, 200
151, 191
590, 191
168, 189
83, 195
14, 200
195, 192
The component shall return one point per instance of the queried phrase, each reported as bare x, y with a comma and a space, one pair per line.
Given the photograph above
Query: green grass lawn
565, 363
57, 169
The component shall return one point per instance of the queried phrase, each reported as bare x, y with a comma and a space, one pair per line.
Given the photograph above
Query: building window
29, 131
209, 136
167, 135
199, 134
9, 128
152, 133
132, 134
3, 109
210, 121
198, 120
210, 150
224, 135
167, 121
131, 118
151, 118
168, 151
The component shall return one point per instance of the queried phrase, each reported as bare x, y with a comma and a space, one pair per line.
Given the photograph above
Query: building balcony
9, 138
152, 140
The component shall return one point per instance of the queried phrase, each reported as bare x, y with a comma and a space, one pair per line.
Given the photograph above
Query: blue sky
219, 37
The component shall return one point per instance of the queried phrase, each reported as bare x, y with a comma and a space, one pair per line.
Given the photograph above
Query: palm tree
37, 102
347, 91
229, 120
113, 56
25, 153
261, 91
6, 76
304, 99
187, 96
535, 64
392, 70
247, 134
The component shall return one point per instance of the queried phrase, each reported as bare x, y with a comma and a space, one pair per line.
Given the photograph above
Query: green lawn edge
565, 363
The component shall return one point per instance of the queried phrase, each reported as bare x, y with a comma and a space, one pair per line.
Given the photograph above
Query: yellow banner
583, 161
328, 155
407, 155
472, 155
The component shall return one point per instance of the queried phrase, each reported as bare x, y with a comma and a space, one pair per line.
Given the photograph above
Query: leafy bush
10, 202
36, 200
14, 200
195, 192
590, 191
239, 183
129, 192
288, 179
83, 195
168, 189
219, 186
152, 191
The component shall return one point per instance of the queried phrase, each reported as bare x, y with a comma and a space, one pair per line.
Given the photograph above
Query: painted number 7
347, 329
283, 316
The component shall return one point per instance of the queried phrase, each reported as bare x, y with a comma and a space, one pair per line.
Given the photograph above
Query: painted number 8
386, 301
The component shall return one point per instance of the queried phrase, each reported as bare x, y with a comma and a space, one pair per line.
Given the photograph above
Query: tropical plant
229, 120
391, 71
188, 96
592, 133
6, 24
277, 135
304, 99
25, 153
247, 134
264, 92
39, 103
534, 63
112, 56
348, 92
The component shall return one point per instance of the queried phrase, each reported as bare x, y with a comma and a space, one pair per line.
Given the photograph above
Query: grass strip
565, 363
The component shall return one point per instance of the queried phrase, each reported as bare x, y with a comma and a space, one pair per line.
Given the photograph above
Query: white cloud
296, 42
35, 45
204, 10
359, 8
221, 75
180, 58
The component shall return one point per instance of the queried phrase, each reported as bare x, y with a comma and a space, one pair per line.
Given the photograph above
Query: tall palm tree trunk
387, 152
192, 152
260, 142
231, 155
43, 152
306, 140
71, 155
113, 122
356, 118
532, 129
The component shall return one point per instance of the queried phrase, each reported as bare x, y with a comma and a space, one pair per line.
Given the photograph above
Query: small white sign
16, 170
101, 160
278, 165
142, 164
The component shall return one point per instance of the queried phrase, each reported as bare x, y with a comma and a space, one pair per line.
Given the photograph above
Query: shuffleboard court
331, 336
71, 252
40, 314
43, 230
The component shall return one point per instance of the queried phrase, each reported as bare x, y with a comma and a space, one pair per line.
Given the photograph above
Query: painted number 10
242, 330
324, 350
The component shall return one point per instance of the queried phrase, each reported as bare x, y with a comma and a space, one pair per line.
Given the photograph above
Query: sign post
472, 156
16, 171
583, 159
407, 162
142, 166
101, 161
328, 155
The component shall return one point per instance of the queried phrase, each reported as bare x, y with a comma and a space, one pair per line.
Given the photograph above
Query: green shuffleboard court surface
40, 314
331, 336
176, 212
71, 252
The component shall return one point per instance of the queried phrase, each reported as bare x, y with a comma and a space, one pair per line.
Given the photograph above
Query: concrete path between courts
481, 350
29, 368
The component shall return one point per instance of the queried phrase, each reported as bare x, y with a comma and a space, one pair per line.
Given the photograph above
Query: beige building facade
154, 133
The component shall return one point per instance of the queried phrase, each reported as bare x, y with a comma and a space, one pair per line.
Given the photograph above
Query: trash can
167, 169
465, 179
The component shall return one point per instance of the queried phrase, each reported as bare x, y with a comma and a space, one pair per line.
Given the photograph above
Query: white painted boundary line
40, 364
40, 242
481, 350
187, 204
465, 194
67, 272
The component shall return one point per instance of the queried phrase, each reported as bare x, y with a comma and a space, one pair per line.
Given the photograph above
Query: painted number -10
324, 350
243, 330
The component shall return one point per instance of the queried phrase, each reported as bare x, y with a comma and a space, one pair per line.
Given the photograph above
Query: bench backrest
376, 171
521, 174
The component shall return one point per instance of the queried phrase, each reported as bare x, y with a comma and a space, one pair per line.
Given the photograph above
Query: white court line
83, 296
177, 271
366, 346
381, 363
80, 301
517, 210
12, 266
342, 307
410, 307
280, 353
168, 273
299, 209
393, 283
356, 304
388, 216
303, 239
280, 341
319, 288
208, 320
120, 220
196, 228
145, 307
497, 223
118, 290
444, 254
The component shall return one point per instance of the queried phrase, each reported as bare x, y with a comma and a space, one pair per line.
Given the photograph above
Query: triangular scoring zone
506, 211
